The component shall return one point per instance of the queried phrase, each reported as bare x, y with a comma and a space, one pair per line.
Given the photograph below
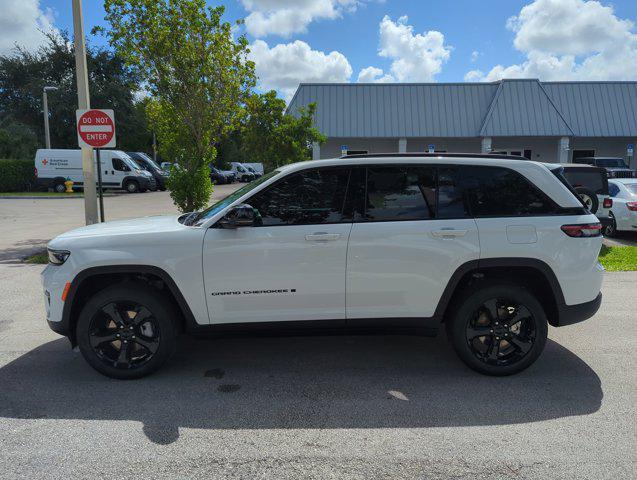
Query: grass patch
40, 194
39, 258
618, 259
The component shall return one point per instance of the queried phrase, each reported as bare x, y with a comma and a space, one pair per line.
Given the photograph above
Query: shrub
16, 175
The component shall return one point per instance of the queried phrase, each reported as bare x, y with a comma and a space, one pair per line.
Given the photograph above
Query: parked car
166, 166
242, 173
253, 171
54, 166
256, 167
147, 163
219, 177
624, 211
615, 167
591, 185
495, 248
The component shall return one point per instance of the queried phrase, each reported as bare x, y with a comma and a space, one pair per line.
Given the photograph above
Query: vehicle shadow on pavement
299, 382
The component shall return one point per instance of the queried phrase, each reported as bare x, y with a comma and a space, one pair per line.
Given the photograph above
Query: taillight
608, 202
632, 206
585, 230
36, 172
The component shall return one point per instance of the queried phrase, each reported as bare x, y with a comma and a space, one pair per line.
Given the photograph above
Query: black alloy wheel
124, 335
497, 328
128, 330
501, 332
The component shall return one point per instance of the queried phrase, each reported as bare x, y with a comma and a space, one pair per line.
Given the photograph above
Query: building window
583, 153
518, 152
357, 152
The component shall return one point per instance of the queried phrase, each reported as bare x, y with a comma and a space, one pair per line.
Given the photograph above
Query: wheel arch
530, 273
93, 279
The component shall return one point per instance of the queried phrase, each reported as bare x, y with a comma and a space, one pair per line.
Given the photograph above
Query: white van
242, 173
54, 167
257, 167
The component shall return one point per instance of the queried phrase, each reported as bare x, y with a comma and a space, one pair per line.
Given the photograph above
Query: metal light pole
84, 102
45, 104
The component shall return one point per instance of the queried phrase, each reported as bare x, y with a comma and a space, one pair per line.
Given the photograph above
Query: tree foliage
197, 74
23, 75
269, 136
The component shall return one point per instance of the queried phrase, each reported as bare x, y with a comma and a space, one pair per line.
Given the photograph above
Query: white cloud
285, 65
415, 57
22, 22
475, 55
374, 75
286, 17
474, 76
570, 40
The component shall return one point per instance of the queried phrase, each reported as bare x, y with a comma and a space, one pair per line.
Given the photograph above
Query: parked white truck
54, 166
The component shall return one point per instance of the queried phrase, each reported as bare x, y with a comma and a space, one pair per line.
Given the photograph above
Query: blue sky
413, 40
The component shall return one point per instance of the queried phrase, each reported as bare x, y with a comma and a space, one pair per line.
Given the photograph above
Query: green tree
23, 74
197, 76
269, 136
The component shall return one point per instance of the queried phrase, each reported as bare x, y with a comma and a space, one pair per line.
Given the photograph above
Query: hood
154, 224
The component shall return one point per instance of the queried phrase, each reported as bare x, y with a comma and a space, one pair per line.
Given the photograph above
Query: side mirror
238, 216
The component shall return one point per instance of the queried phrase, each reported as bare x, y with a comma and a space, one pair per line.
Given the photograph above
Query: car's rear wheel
127, 331
498, 329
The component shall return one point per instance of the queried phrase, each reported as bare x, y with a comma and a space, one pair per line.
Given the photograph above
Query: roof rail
434, 155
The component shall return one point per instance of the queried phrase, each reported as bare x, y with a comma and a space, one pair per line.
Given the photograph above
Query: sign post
96, 129
630, 148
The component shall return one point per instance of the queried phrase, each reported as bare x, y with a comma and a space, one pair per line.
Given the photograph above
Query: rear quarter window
593, 180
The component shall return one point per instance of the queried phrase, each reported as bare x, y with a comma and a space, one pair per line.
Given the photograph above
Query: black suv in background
147, 163
614, 166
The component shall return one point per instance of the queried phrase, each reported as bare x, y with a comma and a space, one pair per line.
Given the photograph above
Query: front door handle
322, 237
448, 233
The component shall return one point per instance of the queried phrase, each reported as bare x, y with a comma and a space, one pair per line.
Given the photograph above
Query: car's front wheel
498, 329
127, 331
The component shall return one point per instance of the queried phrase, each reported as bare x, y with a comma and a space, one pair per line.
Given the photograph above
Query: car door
410, 234
290, 265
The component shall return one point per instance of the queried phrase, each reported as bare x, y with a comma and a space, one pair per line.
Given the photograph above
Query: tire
611, 229
59, 188
131, 186
150, 341
515, 345
589, 198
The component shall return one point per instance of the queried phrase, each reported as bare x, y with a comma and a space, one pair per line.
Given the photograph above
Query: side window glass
400, 193
613, 189
501, 192
118, 164
450, 200
305, 198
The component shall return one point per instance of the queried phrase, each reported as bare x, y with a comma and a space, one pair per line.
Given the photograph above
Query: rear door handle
322, 237
448, 233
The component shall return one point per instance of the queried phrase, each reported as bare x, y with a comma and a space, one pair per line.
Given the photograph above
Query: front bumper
54, 279
570, 314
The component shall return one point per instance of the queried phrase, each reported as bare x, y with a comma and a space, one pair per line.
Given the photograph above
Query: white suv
492, 247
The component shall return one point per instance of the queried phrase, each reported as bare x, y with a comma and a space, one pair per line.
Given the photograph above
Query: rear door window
400, 193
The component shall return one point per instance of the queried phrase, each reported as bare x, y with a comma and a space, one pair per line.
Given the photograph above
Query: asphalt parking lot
318, 407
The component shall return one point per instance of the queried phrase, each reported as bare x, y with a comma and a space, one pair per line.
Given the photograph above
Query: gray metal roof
505, 108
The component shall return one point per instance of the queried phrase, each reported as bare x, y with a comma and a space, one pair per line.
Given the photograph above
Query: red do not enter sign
96, 128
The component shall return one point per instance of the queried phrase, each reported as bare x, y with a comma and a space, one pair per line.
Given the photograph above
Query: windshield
150, 161
200, 217
129, 161
611, 162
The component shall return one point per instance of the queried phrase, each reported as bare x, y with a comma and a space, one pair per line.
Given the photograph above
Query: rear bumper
570, 314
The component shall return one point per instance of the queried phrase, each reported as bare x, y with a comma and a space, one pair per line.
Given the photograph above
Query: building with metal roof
544, 121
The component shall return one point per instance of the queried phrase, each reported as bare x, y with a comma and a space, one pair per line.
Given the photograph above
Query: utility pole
84, 102
45, 105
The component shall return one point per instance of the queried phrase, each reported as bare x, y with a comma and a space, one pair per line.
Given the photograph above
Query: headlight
58, 257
